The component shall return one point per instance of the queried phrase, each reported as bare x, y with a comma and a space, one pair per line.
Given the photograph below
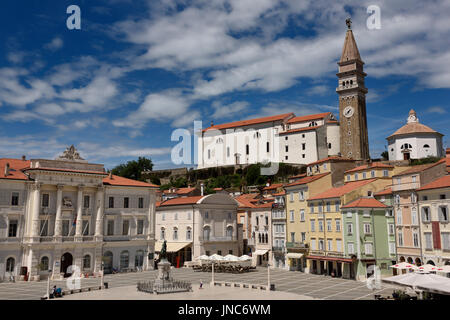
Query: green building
369, 238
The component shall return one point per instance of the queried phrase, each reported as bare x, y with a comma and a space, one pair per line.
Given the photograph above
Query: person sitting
52, 292
58, 293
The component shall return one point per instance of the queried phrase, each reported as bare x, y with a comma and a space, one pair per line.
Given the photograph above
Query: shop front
177, 252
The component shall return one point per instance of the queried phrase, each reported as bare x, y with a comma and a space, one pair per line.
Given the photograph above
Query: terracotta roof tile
181, 201
299, 130
332, 158
15, 168
250, 121
366, 166
121, 181
273, 186
443, 182
282, 193
384, 192
365, 203
340, 191
413, 127
307, 179
67, 170
309, 117
419, 168
185, 190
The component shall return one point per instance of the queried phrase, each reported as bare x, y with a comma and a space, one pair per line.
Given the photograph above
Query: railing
10, 239
296, 245
405, 186
68, 238
11, 208
278, 205
126, 211
46, 239
116, 238
217, 239
278, 216
278, 249
88, 238
86, 212
139, 237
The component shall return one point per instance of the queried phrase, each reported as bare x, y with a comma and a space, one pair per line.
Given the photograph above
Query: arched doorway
430, 262
188, 254
10, 265
139, 259
418, 262
402, 259
66, 261
107, 262
410, 260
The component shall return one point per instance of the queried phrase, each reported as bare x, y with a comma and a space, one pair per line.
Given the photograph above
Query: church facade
415, 141
67, 212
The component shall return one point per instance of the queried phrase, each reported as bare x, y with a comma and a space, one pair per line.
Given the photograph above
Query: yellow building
373, 170
326, 254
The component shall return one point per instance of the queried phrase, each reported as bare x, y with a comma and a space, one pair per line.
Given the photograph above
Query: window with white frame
428, 241
391, 229
413, 197
349, 177
320, 225
414, 219
356, 176
292, 236
291, 213
329, 228
391, 247
400, 238
328, 206
337, 204
303, 234
445, 240
140, 226
302, 215
338, 225
291, 197
14, 198
12, 228
443, 213
385, 173
313, 244
350, 248
397, 199
399, 180
301, 195
416, 239
349, 228
367, 228
364, 175
330, 245
368, 248
372, 174
399, 217
162, 235
414, 178
313, 225
311, 207
321, 244
426, 216
320, 207
338, 245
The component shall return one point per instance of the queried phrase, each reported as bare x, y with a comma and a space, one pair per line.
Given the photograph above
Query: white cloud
437, 109
56, 44
228, 111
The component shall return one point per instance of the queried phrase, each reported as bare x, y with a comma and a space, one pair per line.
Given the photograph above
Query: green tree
133, 169
385, 155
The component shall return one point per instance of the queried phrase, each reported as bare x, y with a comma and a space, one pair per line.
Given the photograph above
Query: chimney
201, 189
24, 158
6, 169
110, 175
212, 123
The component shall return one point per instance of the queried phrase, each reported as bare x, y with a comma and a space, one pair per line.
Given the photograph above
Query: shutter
436, 235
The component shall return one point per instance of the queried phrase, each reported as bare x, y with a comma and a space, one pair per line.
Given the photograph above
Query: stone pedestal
164, 275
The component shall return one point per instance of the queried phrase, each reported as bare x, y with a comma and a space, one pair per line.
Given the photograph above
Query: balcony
68, 238
116, 238
279, 216
297, 245
86, 212
405, 186
46, 239
218, 239
278, 205
10, 239
278, 249
88, 238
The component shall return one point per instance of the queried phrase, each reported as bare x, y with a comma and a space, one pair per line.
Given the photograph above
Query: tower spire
350, 50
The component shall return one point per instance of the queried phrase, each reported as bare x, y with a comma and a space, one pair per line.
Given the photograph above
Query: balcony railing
278, 205
10, 239
296, 245
46, 239
278, 249
68, 238
116, 238
88, 238
218, 239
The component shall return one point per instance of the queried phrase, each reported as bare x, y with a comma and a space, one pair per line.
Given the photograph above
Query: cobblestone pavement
315, 286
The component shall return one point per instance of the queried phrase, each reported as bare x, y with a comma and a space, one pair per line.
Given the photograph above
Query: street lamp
101, 275
212, 280
268, 276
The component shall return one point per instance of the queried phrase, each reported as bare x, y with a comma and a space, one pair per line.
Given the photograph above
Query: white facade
414, 141
261, 221
63, 217
283, 138
279, 233
207, 225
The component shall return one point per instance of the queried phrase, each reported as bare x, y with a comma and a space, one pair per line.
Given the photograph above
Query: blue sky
137, 70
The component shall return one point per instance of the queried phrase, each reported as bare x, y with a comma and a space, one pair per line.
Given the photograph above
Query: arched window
163, 233
86, 262
426, 146
313, 124
44, 263
188, 233
206, 232
410, 260
175, 233
267, 238
406, 146
10, 264
219, 140
430, 262
257, 135
124, 259
259, 237
139, 258
229, 231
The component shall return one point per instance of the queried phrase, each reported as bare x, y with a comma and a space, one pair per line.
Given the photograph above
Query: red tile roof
443, 182
307, 179
15, 168
249, 201
282, 193
414, 127
309, 117
185, 190
299, 130
67, 170
366, 166
333, 159
384, 192
340, 191
419, 168
121, 181
273, 186
181, 201
250, 121
365, 203
217, 189
301, 175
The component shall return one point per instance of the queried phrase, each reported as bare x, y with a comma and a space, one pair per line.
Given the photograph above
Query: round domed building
414, 141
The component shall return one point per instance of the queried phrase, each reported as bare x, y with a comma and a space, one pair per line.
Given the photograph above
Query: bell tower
352, 101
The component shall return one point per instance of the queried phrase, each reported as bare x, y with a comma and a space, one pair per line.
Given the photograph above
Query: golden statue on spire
348, 22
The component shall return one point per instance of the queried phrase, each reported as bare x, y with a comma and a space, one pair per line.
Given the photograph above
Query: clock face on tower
348, 111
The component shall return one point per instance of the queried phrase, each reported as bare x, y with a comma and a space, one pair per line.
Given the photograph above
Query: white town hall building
57, 213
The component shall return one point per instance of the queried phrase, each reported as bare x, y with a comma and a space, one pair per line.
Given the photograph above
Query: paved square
311, 285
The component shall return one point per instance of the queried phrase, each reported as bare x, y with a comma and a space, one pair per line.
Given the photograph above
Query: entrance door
406, 156
330, 268
322, 267
66, 261
339, 269
314, 266
107, 262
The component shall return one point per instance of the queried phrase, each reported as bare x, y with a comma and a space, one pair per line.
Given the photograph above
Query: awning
329, 259
171, 246
293, 255
260, 252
